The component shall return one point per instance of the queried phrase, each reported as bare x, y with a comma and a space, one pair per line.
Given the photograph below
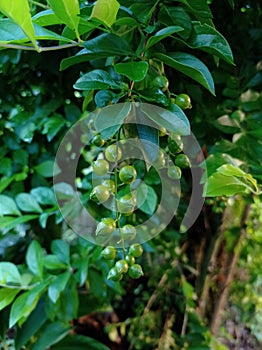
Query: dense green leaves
26, 202
162, 34
190, 66
96, 80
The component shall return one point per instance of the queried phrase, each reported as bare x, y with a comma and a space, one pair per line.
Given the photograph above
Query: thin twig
41, 49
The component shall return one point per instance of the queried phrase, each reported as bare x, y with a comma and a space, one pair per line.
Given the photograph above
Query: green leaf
106, 11
34, 258
231, 170
25, 303
79, 342
44, 195
48, 169
61, 249
135, 71
223, 185
102, 46
19, 12
68, 11
190, 66
58, 285
200, 8
146, 199
9, 273
208, 39
26, 202
97, 79
7, 295
110, 119
46, 18
51, 262
162, 34
51, 334
8, 222
174, 121
103, 97
8, 206
53, 125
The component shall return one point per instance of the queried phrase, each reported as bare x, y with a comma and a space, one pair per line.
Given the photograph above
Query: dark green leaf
8, 206
199, 8
53, 125
44, 195
146, 199
58, 285
26, 202
110, 119
61, 249
96, 80
162, 34
34, 258
135, 71
8, 222
103, 46
51, 262
190, 66
51, 334
48, 169
79, 342
103, 97
174, 121
176, 16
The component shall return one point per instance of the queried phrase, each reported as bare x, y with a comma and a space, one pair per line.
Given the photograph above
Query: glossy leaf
51, 262
46, 18
9, 273
110, 119
222, 185
19, 12
47, 169
61, 249
68, 11
51, 334
190, 66
7, 295
25, 303
176, 16
146, 199
96, 80
9, 222
162, 34
44, 195
106, 11
34, 258
26, 202
79, 342
207, 38
200, 8
135, 71
174, 121
103, 46
8, 206
58, 285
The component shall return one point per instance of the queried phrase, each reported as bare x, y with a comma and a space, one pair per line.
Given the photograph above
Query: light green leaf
51, 334
9, 273
61, 249
8, 206
34, 258
58, 285
26, 303
207, 38
44, 195
110, 119
190, 66
106, 11
7, 295
135, 71
51, 262
174, 121
68, 11
97, 79
223, 185
8, 222
48, 169
146, 199
46, 18
27, 202
19, 12
162, 34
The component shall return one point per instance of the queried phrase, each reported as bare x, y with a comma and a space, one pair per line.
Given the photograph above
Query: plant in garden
136, 71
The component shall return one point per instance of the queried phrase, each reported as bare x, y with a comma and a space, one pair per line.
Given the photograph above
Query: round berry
110, 184
126, 204
174, 172
100, 167
135, 271
100, 192
106, 226
114, 275
98, 141
136, 250
113, 153
130, 259
183, 101
121, 266
109, 253
128, 174
128, 232
161, 82
182, 161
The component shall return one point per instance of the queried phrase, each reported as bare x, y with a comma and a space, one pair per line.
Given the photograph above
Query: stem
41, 49
39, 4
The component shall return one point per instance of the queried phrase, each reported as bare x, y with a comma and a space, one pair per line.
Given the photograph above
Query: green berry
113, 153
121, 266
130, 259
106, 226
109, 253
128, 174
183, 101
100, 192
128, 232
126, 204
174, 172
110, 184
114, 275
135, 271
100, 167
182, 161
98, 141
136, 250
161, 82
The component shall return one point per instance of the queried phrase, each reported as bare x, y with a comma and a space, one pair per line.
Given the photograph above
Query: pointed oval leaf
58, 285
68, 11
135, 71
106, 11
8, 222
175, 121
61, 249
35, 258
97, 79
27, 202
222, 185
8, 206
9, 273
44, 195
190, 66
162, 34
19, 12
79, 342
7, 295
51, 334
110, 119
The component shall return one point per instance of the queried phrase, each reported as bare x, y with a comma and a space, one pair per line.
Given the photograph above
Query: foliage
60, 63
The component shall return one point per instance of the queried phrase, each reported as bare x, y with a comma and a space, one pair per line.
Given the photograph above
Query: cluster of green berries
124, 266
